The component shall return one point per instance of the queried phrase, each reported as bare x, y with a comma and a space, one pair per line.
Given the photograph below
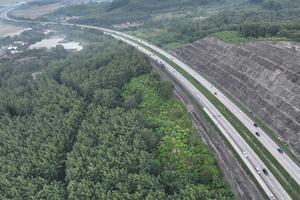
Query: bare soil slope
7, 29
262, 76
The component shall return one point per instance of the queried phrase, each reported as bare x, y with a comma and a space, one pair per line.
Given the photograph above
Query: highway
269, 183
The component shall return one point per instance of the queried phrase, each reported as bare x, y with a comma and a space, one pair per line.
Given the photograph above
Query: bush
259, 29
165, 89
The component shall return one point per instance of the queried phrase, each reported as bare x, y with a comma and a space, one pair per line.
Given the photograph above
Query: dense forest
256, 20
173, 23
119, 11
98, 124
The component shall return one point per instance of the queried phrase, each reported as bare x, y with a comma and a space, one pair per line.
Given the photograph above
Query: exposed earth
8, 29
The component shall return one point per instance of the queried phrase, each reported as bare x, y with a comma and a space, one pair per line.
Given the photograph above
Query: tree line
253, 18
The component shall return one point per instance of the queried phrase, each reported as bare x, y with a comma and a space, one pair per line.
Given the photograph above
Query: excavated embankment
262, 76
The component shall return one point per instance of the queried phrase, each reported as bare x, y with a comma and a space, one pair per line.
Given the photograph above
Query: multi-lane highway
268, 182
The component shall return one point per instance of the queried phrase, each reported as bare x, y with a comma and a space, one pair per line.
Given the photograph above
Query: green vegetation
158, 37
237, 38
98, 125
180, 148
28, 37
161, 15
171, 24
122, 10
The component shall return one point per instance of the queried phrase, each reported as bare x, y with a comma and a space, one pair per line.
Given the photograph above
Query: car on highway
257, 134
279, 150
255, 125
272, 197
245, 154
257, 169
265, 172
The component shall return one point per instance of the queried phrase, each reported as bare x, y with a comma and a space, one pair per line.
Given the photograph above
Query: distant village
51, 40
16, 47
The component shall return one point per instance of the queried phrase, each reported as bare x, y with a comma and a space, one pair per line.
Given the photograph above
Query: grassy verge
235, 37
159, 37
288, 183
283, 145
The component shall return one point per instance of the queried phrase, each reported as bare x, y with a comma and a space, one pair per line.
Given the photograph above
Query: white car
257, 169
245, 154
272, 197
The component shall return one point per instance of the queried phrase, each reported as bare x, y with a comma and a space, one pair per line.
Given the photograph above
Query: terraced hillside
263, 76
